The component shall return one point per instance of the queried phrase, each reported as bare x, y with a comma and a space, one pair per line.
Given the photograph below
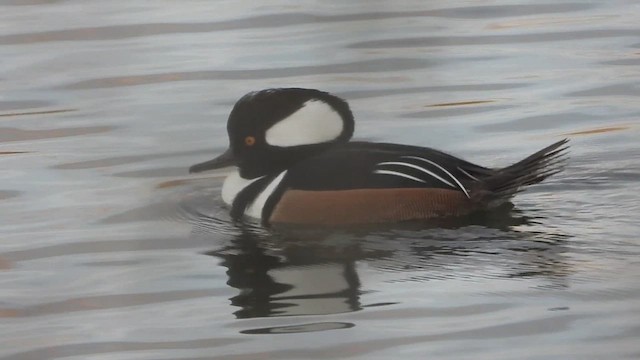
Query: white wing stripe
443, 169
387, 172
469, 175
418, 168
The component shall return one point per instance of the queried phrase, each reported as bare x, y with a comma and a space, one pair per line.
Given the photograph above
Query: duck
295, 164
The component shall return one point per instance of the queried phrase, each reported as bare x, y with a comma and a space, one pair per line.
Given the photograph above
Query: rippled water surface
110, 250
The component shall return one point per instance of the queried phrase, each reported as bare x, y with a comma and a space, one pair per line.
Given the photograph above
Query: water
110, 250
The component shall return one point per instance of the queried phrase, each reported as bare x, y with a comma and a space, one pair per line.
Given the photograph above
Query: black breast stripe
273, 199
247, 196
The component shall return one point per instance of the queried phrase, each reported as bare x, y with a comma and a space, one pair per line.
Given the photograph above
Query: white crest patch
315, 122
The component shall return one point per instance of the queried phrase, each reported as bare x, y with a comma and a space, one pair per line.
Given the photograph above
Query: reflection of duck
296, 165
297, 280
315, 271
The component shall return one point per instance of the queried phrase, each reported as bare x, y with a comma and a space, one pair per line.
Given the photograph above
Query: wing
363, 165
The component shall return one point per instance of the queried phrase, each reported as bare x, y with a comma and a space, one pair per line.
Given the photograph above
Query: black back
354, 165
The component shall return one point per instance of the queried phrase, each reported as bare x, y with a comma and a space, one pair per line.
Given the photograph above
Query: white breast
235, 183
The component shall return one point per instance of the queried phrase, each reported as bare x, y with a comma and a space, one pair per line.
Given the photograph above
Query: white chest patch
232, 185
235, 183
315, 122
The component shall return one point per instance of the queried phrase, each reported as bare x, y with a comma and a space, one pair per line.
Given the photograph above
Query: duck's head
271, 129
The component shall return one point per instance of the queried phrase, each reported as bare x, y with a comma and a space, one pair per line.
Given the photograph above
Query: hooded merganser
295, 165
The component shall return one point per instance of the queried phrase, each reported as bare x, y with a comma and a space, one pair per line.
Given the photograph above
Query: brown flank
360, 206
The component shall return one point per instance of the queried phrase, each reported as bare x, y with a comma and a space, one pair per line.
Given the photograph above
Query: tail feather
533, 169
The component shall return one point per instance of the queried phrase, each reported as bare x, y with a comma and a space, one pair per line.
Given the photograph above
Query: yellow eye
249, 140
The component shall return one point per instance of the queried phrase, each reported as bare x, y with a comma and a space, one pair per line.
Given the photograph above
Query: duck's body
296, 166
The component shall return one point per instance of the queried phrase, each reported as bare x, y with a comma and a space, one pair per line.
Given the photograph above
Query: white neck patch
233, 184
315, 122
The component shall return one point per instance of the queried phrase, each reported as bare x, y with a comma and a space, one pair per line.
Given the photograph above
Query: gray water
110, 250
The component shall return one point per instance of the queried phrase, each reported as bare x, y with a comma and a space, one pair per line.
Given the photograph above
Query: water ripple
92, 348
478, 40
275, 21
365, 66
12, 134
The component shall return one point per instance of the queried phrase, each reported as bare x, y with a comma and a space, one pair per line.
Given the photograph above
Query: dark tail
512, 179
